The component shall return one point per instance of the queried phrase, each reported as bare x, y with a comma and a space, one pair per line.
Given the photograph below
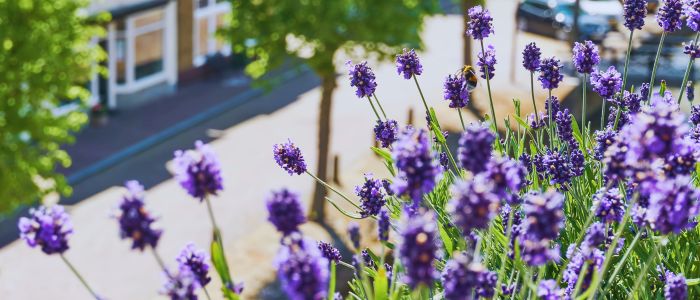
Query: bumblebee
470, 75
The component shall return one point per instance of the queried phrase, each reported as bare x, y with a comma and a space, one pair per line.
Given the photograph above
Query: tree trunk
318, 212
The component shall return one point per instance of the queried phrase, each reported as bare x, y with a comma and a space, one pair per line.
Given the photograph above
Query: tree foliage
46, 57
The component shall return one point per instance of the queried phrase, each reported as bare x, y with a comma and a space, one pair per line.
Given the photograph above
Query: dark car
555, 18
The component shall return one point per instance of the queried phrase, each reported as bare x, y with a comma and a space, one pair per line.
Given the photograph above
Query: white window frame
209, 12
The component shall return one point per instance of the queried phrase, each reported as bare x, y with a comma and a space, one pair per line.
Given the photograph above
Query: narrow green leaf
383, 153
449, 246
577, 131
331, 282
381, 285
218, 259
522, 123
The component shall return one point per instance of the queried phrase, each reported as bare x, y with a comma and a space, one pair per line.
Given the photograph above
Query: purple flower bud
682, 162
135, 221
635, 11
632, 101
198, 171
556, 165
586, 57
595, 236
182, 285
362, 78
371, 195
354, 233
47, 227
536, 252
329, 252
507, 175
479, 25
544, 214
487, 62
475, 147
563, 122
386, 132
692, 14
656, 132
690, 91
549, 290
474, 203
366, 258
419, 249
417, 172
408, 64
691, 49
196, 260
577, 259
615, 167
676, 288
455, 89
302, 270
644, 90
668, 16
286, 213
383, 224
608, 205
606, 83
673, 204
463, 276
289, 157
531, 57
550, 73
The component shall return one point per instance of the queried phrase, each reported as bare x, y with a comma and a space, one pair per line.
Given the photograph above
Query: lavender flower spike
302, 269
371, 195
196, 260
475, 146
635, 11
285, 211
181, 285
544, 215
419, 249
607, 83
408, 64
474, 203
480, 23
47, 227
417, 172
463, 276
362, 78
669, 15
531, 57
455, 90
487, 62
550, 73
676, 287
692, 14
386, 132
198, 171
586, 57
289, 157
134, 220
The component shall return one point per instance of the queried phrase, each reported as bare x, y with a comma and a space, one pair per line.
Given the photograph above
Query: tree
270, 31
46, 58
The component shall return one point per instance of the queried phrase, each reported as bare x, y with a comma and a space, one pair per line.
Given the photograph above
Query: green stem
380, 105
213, 220
584, 111
331, 282
459, 111
532, 93
425, 104
374, 109
602, 114
623, 260
550, 120
333, 189
656, 61
627, 61
160, 261
687, 72
488, 88
80, 277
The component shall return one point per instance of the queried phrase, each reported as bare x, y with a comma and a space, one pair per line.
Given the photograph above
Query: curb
178, 128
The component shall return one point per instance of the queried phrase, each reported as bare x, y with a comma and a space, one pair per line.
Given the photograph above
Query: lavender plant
522, 217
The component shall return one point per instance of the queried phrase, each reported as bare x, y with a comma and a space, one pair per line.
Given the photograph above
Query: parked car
556, 18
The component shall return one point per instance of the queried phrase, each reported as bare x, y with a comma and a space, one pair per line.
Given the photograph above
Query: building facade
152, 45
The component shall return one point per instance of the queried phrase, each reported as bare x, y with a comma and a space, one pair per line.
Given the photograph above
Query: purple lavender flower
632, 101
134, 220
386, 132
676, 287
474, 203
47, 227
690, 91
682, 162
635, 11
554, 103
475, 146
479, 25
506, 175
286, 213
644, 90
691, 49
673, 204
417, 172
487, 62
595, 236
289, 157
362, 78
604, 138
367, 259
577, 259
198, 171
536, 122
463, 277
444, 160
656, 132
329, 252
516, 228
536, 252
549, 290
668, 16
181, 285
692, 14
544, 215
615, 167
606, 83
608, 205
455, 89
302, 270
577, 160
408, 64
555, 165
563, 122
371, 195
623, 120
586, 57
550, 73
419, 249
354, 234
196, 260
383, 224
531, 57
695, 115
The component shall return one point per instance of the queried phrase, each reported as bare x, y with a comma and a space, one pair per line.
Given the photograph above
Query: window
121, 51
209, 16
148, 43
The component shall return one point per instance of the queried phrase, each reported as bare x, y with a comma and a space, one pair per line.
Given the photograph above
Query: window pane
220, 22
120, 56
151, 17
148, 58
203, 38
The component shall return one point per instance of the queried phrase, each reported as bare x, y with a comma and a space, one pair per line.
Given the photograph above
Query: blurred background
99, 92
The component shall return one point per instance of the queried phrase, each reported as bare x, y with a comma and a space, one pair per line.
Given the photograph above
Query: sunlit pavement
250, 173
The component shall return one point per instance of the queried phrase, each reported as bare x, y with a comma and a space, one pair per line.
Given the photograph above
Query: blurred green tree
270, 31
46, 56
